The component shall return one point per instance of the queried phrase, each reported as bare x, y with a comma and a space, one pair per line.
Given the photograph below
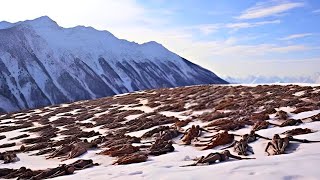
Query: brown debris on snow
62, 170
63, 130
298, 131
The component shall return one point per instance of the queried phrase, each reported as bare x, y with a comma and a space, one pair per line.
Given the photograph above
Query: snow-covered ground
301, 161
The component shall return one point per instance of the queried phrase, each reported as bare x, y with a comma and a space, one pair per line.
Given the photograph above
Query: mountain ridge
44, 64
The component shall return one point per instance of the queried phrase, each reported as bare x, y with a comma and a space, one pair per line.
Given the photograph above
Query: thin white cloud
236, 26
231, 56
267, 9
296, 36
317, 11
291, 48
256, 50
206, 29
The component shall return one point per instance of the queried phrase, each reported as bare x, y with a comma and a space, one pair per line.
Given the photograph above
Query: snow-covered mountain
42, 63
313, 79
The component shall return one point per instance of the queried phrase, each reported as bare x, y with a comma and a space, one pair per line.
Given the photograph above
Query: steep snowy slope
42, 63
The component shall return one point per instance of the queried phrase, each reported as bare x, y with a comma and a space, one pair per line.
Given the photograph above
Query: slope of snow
301, 163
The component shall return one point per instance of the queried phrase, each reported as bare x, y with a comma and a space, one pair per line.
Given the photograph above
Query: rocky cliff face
42, 63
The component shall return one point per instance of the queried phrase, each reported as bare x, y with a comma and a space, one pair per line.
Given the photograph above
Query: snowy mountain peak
42, 63
43, 21
153, 43
5, 25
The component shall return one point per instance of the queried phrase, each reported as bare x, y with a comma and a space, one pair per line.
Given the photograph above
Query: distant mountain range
42, 64
313, 79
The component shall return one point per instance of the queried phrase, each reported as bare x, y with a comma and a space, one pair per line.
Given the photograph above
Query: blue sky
230, 37
250, 37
